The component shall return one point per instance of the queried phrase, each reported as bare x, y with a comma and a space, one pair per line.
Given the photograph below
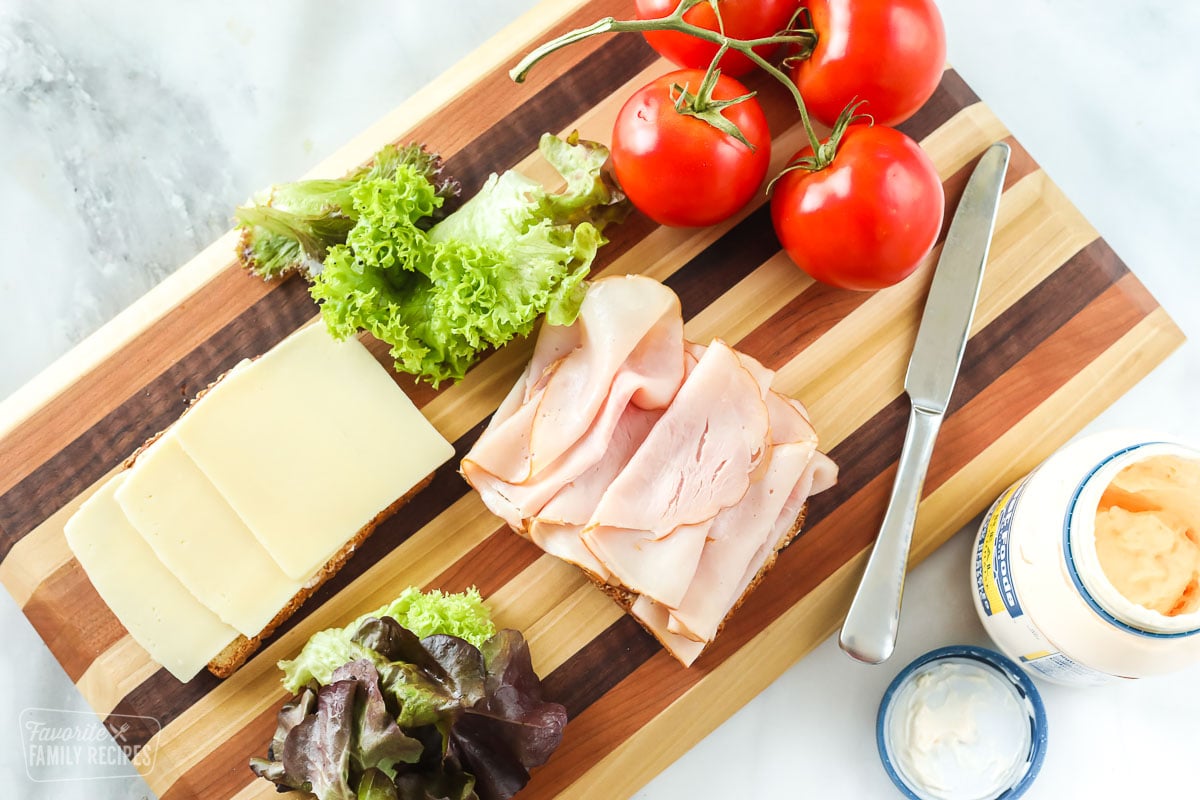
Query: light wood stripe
553, 603
43, 551
115, 673
958, 142
258, 790
751, 302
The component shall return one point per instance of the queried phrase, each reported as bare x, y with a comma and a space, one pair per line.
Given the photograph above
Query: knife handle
869, 632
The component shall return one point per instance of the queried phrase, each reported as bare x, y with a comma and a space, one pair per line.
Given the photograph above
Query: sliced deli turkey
667, 470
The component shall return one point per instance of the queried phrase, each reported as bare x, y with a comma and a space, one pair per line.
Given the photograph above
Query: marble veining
145, 177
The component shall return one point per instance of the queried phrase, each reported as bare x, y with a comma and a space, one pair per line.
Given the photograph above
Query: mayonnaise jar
1048, 594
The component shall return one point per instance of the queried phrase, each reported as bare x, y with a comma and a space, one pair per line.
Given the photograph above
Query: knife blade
869, 632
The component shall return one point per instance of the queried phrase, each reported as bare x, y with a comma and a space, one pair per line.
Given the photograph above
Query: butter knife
869, 632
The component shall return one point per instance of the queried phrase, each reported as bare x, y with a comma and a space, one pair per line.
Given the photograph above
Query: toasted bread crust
624, 598
240, 649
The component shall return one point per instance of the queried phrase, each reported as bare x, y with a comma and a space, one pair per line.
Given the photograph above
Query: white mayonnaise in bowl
1088, 569
961, 723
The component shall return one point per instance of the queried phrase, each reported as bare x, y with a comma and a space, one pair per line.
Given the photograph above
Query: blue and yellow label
993, 572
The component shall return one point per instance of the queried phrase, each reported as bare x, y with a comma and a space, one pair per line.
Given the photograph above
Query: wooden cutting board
1063, 328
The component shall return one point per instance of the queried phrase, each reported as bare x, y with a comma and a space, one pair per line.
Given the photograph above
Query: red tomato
680, 170
890, 54
743, 19
868, 219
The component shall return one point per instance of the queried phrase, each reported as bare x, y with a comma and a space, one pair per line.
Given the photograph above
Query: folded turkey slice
557, 529
744, 535
556, 423
650, 526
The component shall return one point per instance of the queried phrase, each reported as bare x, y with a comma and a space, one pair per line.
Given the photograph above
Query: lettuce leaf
511, 729
423, 614
421, 717
478, 278
291, 227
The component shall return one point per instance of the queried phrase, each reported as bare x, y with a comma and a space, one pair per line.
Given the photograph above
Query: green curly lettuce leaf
291, 226
462, 615
478, 278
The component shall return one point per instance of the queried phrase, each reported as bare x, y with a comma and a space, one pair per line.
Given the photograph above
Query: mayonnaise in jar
1088, 569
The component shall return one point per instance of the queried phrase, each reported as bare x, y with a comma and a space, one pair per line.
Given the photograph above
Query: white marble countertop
131, 130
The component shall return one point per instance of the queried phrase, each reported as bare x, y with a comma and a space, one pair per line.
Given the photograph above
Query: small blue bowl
1003, 666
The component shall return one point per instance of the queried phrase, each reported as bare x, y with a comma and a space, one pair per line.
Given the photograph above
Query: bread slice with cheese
255, 497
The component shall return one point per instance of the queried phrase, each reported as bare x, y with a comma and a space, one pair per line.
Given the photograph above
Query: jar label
993, 571
1000, 608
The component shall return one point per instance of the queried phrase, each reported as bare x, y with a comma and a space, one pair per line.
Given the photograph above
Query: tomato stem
804, 38
703, 106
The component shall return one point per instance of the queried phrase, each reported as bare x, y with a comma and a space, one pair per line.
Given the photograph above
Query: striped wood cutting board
1062, 329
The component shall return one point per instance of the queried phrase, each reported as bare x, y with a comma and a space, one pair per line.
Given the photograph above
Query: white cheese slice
161, 615
310, 444
203, 541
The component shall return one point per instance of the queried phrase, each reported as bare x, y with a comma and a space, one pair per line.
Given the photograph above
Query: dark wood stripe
1014, 394
149, 410
492, 563
78, 633
456, 124
997, 348
598, 666
567, 98
69, 414
715, 270
654, 682
1074, 285
804, 319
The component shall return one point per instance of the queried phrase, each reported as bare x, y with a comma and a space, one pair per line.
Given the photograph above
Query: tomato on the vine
868, 219
742, 19
889, 54
679, 169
